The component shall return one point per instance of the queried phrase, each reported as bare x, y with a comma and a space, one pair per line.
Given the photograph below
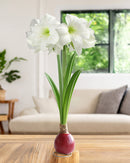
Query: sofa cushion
109, 101
77, 124
29, 111
125, 107
45, 105
83, 101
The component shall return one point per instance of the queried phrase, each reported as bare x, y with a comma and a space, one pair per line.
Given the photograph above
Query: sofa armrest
28, 111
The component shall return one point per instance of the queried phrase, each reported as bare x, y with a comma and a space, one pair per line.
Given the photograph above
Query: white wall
86, 80
15, 16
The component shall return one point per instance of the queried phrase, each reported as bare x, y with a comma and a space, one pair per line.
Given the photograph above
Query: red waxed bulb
64, 143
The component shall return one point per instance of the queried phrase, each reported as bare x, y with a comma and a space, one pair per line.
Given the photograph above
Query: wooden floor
39, 148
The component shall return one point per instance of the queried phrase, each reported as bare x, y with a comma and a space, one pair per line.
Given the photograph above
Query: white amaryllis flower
89, 38
89, 42
43, 35
76, 32
47, 34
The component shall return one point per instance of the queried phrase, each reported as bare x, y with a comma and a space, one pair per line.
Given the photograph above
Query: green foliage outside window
122, 43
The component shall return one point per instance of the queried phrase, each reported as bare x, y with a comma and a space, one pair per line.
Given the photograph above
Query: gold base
56, 154
62, 158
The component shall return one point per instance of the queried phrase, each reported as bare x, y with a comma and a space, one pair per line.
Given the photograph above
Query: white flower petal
77, 42
54, 48
65, 39
87, 33
54, 37
88, 43
87, 24
71, 19
49, 20
62, 29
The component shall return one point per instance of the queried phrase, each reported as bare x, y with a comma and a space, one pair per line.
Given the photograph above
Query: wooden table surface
38, 148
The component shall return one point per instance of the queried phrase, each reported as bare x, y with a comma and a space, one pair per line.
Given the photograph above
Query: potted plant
6, 75
49, 34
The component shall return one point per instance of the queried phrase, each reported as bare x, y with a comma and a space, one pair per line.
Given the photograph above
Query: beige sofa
81, 119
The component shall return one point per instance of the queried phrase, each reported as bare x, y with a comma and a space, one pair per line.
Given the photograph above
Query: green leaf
55, 90
60, 82
68, 72
11, 76
68, 94
15, 59
2, 60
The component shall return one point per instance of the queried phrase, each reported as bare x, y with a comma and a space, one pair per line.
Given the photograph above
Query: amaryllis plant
48, 34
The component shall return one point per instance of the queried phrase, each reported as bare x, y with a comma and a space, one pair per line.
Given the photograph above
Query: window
112, 50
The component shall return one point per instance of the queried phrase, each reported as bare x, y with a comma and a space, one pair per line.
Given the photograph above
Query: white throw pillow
45, 105
28, 111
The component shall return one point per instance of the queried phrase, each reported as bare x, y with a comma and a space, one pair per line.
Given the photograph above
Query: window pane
122, 43
100, 24
92, 60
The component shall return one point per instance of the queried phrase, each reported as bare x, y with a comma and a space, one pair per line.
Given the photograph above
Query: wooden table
11, 104
10, 113
3, 117
39, 148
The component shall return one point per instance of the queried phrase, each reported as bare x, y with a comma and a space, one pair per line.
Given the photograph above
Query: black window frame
111, 14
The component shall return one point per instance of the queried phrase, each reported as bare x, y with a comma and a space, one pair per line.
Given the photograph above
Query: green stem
64, 61
60, 86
